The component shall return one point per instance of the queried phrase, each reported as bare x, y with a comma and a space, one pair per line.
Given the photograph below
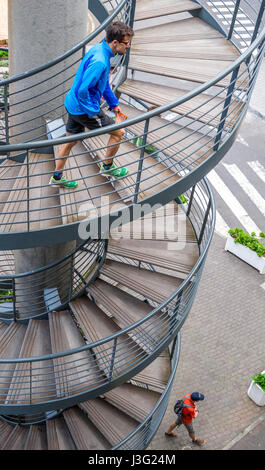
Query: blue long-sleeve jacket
92, 82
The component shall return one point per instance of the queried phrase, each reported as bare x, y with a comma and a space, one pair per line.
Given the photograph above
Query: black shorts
77, 123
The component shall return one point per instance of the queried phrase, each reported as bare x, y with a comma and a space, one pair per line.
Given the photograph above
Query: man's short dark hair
118, 31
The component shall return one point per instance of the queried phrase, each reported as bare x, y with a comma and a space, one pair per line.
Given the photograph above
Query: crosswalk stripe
247, 187
231, 201
221, 226
258, 168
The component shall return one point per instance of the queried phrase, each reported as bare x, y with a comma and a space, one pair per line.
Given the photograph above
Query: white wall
3, 20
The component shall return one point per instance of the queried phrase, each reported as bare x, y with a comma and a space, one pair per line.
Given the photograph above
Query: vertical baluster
226, 108
234, 19
71, 278
6, 112
30, 382
258, 22
131, 4
140, 166
14, 298
191, 199
28, 194
112, 359
204, 222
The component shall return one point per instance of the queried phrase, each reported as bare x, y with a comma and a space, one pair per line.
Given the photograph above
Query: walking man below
188, 413
83, 100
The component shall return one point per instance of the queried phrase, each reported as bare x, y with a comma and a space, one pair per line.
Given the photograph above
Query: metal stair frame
179, 303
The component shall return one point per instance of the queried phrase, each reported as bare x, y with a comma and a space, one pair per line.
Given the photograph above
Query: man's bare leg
64, 152
58, 178
113, 143
108, 168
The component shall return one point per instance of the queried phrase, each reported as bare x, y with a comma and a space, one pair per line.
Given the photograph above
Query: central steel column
39, 32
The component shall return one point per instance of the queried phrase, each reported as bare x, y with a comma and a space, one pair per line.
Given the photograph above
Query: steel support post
233, 19
140, 166
225, 110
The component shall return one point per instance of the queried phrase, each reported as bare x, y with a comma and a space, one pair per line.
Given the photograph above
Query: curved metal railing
62, 379
36, 293
37, 95
142, 435
172, 155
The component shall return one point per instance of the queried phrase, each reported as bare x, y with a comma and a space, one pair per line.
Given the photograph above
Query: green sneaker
63, 182
114, 171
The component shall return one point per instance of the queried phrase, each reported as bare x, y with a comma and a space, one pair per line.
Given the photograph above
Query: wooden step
156, 253
168, 222
14, 213
150, 284
132, 400
3, 327
10, 345
127, 310
5, 431
37, 438
128, 156
85, 435
8, 169
156, 375
47, 203
96, 325
93, 190
17, 438
112, 423
58, 435
159, 95
176, 31
180, 143
74, 373
146, 9
7, 263
212, 49
191, 70
33, 382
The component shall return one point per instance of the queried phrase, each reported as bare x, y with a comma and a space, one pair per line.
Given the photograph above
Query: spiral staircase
90, 342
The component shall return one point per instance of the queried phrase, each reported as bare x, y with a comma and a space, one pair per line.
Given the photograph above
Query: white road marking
221, 226
247, 187
242, 141
257, 167
233, 204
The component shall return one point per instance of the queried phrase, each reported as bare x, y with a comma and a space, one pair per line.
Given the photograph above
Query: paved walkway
222, 346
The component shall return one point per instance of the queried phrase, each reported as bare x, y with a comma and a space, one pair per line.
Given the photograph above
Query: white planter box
256, 393
247, 255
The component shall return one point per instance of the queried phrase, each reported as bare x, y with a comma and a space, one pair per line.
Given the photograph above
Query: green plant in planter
3, 53
259, 380
251, 241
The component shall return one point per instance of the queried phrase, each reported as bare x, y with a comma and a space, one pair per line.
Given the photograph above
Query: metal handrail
65, 278
157, 412
147, 115
158, 328
189, 157
71, 51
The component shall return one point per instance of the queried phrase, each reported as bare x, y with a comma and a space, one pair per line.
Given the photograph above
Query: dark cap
196, 396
